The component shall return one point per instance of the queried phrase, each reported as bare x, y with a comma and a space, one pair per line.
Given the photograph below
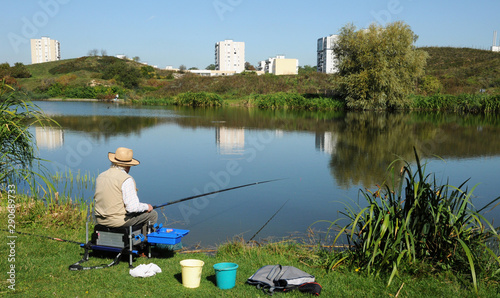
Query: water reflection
368, 142
326, 141
327, 157
230, 141
104, 127
49, 137
361, 144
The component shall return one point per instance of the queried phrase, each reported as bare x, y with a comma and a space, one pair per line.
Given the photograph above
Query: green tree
4, 70
20, 70
148, 72
210, 67
307, 69
249, 66
378, 67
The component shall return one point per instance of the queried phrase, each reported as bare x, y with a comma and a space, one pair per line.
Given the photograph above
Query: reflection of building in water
230, 140
279, 133
326, 141
49, 137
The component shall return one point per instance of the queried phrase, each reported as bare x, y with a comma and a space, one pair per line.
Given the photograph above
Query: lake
323, 159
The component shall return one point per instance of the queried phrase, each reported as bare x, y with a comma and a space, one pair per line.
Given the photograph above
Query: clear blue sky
166, 32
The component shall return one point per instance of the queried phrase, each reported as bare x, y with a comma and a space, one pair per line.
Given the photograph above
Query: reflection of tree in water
369, 141
108, 126
365, 142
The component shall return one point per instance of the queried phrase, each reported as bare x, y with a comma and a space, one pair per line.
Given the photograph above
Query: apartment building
326, 60
230, 56
494, 47
45, 50
280, 65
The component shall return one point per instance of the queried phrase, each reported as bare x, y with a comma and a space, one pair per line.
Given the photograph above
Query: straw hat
123, 157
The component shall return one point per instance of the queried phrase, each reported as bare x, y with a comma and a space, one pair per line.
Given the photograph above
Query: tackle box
167, 236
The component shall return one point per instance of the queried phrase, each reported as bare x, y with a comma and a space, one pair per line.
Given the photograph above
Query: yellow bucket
191, 272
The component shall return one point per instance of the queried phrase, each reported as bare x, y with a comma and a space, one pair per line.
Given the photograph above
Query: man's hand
150, 208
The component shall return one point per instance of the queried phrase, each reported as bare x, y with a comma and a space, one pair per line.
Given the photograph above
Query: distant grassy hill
464, 70
455, 70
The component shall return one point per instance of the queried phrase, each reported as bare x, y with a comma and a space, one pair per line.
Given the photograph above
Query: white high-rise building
327, 62
230, 56
494, 47
45, 50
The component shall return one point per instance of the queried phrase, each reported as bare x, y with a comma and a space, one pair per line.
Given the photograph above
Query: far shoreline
69, 99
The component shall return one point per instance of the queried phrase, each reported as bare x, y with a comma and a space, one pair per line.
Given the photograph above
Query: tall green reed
420, 222
19, 162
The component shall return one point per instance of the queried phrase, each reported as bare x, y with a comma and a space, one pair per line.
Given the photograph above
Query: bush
295, 101
198, 99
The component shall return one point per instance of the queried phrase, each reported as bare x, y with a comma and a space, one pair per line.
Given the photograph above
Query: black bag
277, 278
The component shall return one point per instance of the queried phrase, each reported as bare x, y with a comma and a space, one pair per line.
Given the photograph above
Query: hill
464, 70
449, 71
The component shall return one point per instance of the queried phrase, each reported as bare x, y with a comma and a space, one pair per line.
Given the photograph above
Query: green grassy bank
41, 269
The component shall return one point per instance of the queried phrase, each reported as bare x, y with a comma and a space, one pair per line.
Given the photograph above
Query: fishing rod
268, 221
213, 192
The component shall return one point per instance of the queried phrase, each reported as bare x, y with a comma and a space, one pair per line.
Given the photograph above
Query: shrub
295, 101
197, 99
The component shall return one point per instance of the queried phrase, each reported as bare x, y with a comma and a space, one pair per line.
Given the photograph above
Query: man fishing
116, 200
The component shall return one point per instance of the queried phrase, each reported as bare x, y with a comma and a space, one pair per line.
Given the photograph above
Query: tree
93, 52
307, 69
249, 66
136, 59
182, 68
210, 67
378, 67
104, 52
4, 70
19, 70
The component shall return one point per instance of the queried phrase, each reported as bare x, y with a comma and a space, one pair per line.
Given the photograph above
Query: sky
173, 33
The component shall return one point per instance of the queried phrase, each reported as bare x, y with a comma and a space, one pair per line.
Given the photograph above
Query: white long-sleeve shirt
130, 198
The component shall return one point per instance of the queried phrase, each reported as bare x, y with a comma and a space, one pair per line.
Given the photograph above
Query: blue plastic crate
167, 236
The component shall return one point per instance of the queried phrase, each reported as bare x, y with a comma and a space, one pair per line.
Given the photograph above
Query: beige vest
109, 207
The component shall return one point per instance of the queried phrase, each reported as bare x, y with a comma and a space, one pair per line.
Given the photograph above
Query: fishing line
48, 237
268, 221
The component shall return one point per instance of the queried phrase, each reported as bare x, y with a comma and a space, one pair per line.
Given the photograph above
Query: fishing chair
122, 240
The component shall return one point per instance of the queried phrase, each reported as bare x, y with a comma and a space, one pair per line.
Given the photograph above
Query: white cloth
145, 270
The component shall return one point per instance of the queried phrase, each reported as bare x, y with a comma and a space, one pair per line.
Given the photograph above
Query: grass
42, 270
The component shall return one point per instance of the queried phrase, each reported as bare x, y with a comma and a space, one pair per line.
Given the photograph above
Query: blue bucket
225, 275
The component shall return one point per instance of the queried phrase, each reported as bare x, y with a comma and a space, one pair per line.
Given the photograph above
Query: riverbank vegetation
418, 224
18, 153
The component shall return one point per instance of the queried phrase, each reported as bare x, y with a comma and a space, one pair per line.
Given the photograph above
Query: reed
419, 222
469, 103
283, 100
